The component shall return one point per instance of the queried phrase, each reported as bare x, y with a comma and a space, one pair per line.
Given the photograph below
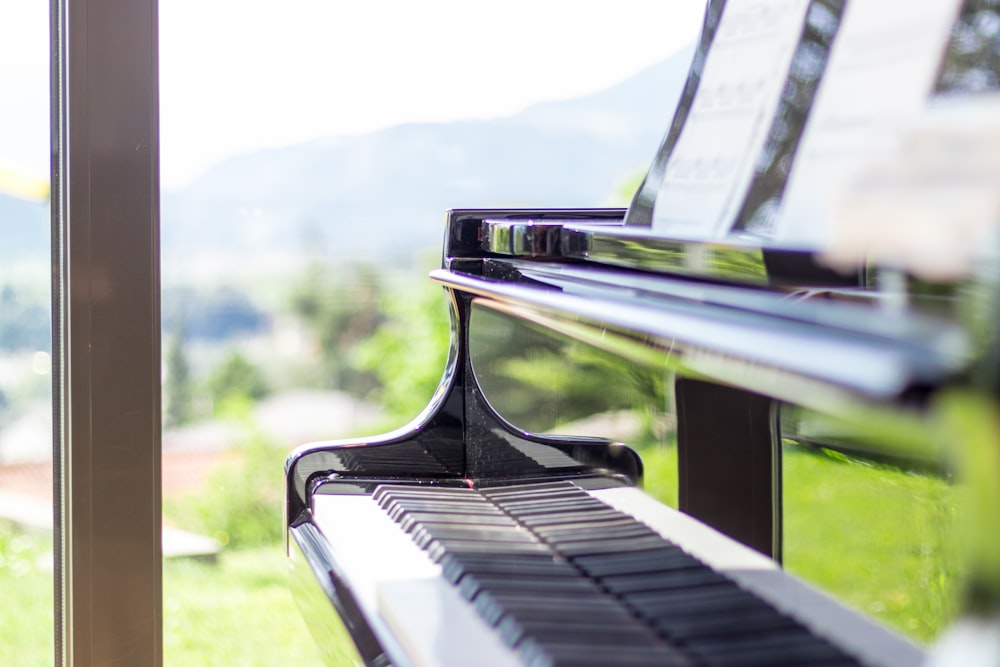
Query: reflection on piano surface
787, 415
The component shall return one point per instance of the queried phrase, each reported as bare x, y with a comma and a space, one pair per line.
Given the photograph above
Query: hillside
386, 192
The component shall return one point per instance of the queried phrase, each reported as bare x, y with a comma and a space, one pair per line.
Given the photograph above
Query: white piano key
415, 612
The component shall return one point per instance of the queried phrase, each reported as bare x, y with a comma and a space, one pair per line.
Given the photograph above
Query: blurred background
308, 153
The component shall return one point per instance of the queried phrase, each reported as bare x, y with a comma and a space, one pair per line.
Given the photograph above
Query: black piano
774, 405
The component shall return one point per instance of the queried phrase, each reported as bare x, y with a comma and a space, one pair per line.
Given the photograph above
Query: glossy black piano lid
972, 59
774, 165
640, 211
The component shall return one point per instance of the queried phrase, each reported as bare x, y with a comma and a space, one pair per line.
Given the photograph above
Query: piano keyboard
552, 574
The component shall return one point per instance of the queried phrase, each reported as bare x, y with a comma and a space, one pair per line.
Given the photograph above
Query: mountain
385, 193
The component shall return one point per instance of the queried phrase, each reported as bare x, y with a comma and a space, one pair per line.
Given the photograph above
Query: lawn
235, 612
26, 586
881, 538
238, 612
877, 537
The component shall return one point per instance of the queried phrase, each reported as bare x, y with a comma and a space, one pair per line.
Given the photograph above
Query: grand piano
785, 414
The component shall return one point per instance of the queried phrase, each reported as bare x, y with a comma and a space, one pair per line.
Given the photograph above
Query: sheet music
931, 206
712, 163
880, 72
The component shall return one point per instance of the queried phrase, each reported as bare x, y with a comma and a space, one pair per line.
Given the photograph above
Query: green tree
178, 387
342, 308
236, 379
408, 351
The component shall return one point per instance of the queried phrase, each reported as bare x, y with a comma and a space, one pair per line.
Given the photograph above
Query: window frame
106, 332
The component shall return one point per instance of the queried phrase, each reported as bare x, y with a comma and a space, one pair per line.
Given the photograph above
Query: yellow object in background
23, 187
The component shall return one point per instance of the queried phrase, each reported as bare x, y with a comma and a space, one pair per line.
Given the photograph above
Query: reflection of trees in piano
891, 529
540, 381
760, 208
972, 60
544, 382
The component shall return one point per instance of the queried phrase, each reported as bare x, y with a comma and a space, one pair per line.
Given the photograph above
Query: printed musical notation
712, 163
880, 73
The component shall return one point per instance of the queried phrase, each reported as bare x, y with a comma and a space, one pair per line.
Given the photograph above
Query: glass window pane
309, 152
26, 617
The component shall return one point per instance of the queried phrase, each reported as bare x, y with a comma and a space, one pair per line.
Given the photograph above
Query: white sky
240, 75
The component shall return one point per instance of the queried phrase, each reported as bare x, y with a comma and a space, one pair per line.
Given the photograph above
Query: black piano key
698, 627
429, 505
566, 513
410, 520
800, 651
593, 520
590, 632
521, 490
554, 501
703, 600
652, 560
504, 534
529, 497
455, 566
663, 581
538, 499
471, 584
438, 548
555, 520
526, 606
574, 532
568, 580
576, 654
397, 512
384, 491
435, 491
391, 496
594, 546
741, 642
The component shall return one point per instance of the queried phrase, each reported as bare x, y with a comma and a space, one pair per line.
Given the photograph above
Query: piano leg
727, 461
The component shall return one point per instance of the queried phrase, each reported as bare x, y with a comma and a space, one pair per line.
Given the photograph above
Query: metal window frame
106, 332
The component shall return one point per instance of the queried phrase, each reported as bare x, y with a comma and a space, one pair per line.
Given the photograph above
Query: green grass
26, 618
881, 539
236, 612
659, 474
878, 538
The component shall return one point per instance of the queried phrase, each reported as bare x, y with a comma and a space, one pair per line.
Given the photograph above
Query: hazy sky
240, 75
